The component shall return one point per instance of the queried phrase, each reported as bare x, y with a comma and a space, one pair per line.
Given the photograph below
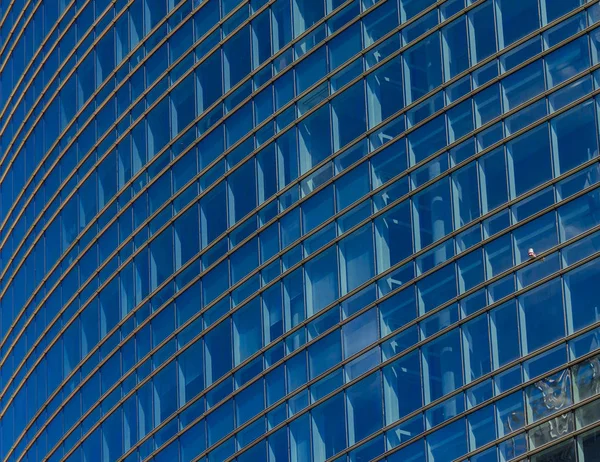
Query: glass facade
299, 230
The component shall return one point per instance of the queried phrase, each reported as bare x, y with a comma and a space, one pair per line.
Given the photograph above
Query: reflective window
541, 316
529, 149
515, 19
574, 137
442, 366
422, 68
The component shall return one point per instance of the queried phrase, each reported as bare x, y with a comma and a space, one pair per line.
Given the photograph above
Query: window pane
393, 236
208, 82
410, 8
158, 128
247, 337
384, 92
161, 258
437, 288
581, 302
165, 396
182, 105
448, 443
187, 232
293, 297
552, 10
432, 217
364, 408
482, 430
414, 452
482, 32
539, 234
344, 46
388, 163
516, 18
329, 429
402, 378
317, 209
487, 105
242, 191
442, 366
314, 141
261, 39
465, 195
360, 333
504, 334
567, 61
492, 175
357, 262
576, 217
324, 354
529, 164
454, 41
574, 137
422, 68
460, 120
191, 377
523, 85
321, 281
306, 13
541, 316
281, 24
287, 158
427, 139
218, 351
249, 403
236, 58
300, 439
348, 115
352, 186
476, 348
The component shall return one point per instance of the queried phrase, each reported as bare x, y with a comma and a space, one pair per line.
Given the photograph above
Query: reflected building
299, 230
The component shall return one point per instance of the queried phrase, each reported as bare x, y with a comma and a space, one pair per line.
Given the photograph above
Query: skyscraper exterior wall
299, 230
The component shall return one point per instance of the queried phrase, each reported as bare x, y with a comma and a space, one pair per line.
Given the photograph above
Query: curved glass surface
299, 230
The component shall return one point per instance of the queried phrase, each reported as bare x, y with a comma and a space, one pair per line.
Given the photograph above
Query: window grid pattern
257, 236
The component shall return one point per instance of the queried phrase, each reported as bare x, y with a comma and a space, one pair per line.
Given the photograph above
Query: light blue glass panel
574, 137
482, 32
357, 259
364, 410
515, 20
442, 366
454, 45
528, 160
393, 239
448, 443
541, 316
384, 92
328, 428
321, 281
432, 218
422, 68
